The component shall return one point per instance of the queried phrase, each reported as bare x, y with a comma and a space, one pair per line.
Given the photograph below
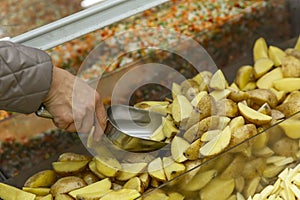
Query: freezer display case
259, 161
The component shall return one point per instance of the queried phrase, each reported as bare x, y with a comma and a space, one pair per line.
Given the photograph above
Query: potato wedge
285, 147
93, 168
124, 194
92, 196
66, 184
37, 191
251, 187
291, 67
181, 108
200, 180
175, 196
192, 152
262, 96
197, 98
218, 81
43, 178
70, 156
10, 192
203, 79
235, 168
276, 55
266, 81
63, 197
176, 90
291, 128
130, 170
47, 197
172, 169
206, 106
260, 49
236, 123
100, 186
287, 84
155, 169
217, 144
108, 166
178, 147
254, 168
243, 133
227, 108
217, 189
69, 167
245, 74
134, 183
189, 88
158, 134
209, 135
145, 178
253, 116
220, 94
262, 66
168, 127
289, 108
156, 194
89, 177
160, 107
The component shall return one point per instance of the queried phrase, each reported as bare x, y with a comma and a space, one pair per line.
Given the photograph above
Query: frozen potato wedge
262, 96
10, 192
181, 108
155, 169
217, 144
218, 81
287, 84
200, 180
266, 81
276, 55
108, 166
189, 88
244, 75
217, 189
253, 116
178, 147
220, 94
158, 134
291, 128
289, 108
262, 66
66, 184
70, 156
100, 186
63, 197
172, 169
134, 183
130, 170
124, 194
168, 127
161, 107
176, 90
93, 195
260, 49
192, 152
43, 178
93, 168
69, 167
291, 67
37, 191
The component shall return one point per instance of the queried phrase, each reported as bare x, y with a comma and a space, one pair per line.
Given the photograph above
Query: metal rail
83, 22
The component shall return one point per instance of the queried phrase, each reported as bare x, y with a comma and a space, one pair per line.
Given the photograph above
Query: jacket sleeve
25, 77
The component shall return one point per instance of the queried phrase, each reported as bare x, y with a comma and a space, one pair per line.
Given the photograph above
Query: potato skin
66, 184
41, 179
261, 96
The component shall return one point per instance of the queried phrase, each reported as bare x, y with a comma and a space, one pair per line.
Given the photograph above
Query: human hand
75, 106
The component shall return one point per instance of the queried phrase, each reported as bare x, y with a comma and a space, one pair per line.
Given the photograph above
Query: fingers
100, 121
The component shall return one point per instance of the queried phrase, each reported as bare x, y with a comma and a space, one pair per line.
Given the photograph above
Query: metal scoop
127, 127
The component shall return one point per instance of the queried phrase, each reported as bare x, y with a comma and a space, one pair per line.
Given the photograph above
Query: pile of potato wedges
206, 117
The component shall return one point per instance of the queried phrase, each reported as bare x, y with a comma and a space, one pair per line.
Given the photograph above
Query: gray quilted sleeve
25, 77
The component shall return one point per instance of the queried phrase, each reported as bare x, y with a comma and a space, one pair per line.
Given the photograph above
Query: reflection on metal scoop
130, 128
127, 127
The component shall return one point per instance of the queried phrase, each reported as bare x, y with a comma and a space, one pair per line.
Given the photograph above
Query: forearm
25, 77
